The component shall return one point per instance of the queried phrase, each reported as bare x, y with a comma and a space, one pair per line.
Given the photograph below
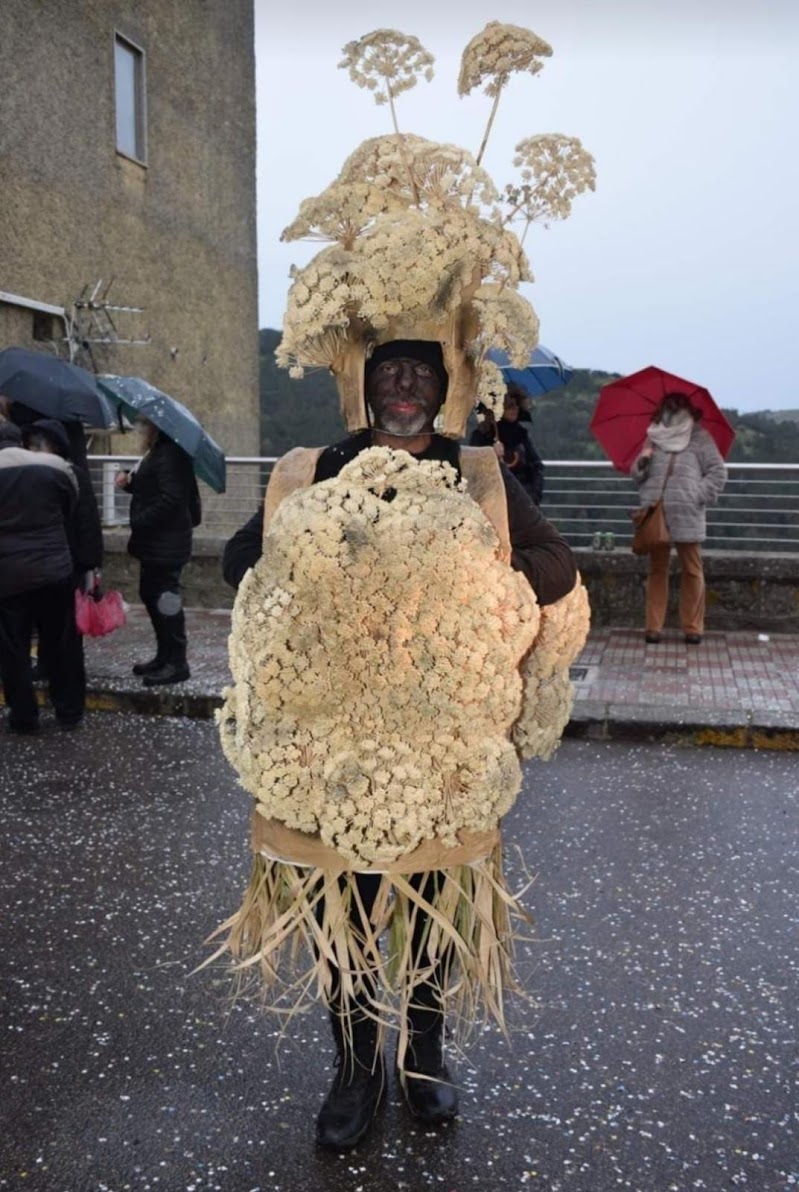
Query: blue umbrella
139, 399
54, 388
544, 372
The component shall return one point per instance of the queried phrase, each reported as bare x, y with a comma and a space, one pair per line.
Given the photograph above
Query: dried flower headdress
420, 245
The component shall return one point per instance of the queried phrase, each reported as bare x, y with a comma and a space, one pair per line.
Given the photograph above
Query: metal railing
758, 510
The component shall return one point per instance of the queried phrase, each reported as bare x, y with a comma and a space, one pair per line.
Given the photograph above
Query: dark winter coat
537, 549
165, 506
38, 497
520, 456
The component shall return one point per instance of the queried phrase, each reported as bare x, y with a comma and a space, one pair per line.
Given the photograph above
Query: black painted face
404, 395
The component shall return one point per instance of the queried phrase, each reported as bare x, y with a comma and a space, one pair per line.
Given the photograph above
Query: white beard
405, 427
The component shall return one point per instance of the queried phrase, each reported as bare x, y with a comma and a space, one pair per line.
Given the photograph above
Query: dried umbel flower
417, 229
319, 310
341, 212
375, 651
548, 692
496, 53
420, 172
506, 321
387, 59
406, 263
554, 169
491, 387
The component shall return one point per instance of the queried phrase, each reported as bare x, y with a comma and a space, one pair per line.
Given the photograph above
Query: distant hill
306, 413
295, 413
782, 415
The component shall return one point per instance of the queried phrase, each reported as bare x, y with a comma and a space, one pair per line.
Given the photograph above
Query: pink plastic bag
97, 615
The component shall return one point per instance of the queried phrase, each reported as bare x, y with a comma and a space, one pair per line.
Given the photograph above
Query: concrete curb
590, 720
154, 702
721, 728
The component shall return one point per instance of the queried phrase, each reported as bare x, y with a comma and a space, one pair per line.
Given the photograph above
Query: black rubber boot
147, 668
358, 1087
426, 1081
171, 635
170, 672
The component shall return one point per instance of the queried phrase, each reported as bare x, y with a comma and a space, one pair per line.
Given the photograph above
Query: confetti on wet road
661, 1054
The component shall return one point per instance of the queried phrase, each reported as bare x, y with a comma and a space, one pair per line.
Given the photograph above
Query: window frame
139, 98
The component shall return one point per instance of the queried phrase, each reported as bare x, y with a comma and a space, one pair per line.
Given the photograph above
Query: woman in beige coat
697, 477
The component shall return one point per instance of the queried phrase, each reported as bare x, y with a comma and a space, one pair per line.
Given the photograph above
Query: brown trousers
692, 588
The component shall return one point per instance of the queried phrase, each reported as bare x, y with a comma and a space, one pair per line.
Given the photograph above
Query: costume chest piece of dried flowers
378, 650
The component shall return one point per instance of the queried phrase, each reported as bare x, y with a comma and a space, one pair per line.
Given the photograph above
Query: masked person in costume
405, 387
403, 626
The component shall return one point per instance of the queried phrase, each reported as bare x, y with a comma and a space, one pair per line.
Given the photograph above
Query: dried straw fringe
281, 952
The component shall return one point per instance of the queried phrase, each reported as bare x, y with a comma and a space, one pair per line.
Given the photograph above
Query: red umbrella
625, 409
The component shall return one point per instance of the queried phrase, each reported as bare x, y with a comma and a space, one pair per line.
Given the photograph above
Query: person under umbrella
511, 442
164, 509
680, 459
38, 497
137, 399
54, 388
84, 529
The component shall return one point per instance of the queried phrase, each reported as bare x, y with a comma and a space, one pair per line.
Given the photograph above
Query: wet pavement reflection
661, 1055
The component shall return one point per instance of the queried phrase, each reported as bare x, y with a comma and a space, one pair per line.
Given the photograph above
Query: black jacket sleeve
243, 550
535, 473
85, 531
537, 549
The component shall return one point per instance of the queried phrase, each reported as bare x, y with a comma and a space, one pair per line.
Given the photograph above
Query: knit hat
53, 430
10, 435
425, 350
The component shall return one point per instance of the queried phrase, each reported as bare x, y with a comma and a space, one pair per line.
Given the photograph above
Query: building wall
176, 235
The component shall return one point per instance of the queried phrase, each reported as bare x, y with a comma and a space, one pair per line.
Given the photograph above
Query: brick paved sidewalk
737, 688
743, 682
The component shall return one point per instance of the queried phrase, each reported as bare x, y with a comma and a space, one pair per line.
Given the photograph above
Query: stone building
127, 175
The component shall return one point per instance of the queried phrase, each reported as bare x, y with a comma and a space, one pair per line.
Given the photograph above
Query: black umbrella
54, 388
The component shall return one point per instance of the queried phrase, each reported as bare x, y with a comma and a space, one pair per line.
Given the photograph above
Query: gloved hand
90, 581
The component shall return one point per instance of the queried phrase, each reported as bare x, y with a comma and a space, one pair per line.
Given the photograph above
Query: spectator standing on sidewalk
681, 461
38, 499
84, 531
163, 512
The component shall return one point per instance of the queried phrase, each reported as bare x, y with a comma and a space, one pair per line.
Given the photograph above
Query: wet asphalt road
662, 1056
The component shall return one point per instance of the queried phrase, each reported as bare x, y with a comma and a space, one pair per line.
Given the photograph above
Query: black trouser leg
52, 609
426, 1080
161, 594
16, 628
173, 636
357, 1089
63, 650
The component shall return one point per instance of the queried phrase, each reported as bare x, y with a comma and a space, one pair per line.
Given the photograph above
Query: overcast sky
687, 255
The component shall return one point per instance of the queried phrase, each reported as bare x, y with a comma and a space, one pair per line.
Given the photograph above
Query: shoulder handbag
649, 522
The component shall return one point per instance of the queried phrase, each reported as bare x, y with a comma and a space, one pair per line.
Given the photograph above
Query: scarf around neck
674, 437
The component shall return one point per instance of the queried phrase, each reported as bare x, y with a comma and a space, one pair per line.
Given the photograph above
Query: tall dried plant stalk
487, 132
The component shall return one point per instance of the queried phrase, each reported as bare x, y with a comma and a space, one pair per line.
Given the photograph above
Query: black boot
171, 634
357, 1089
426, 1081
147, 668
